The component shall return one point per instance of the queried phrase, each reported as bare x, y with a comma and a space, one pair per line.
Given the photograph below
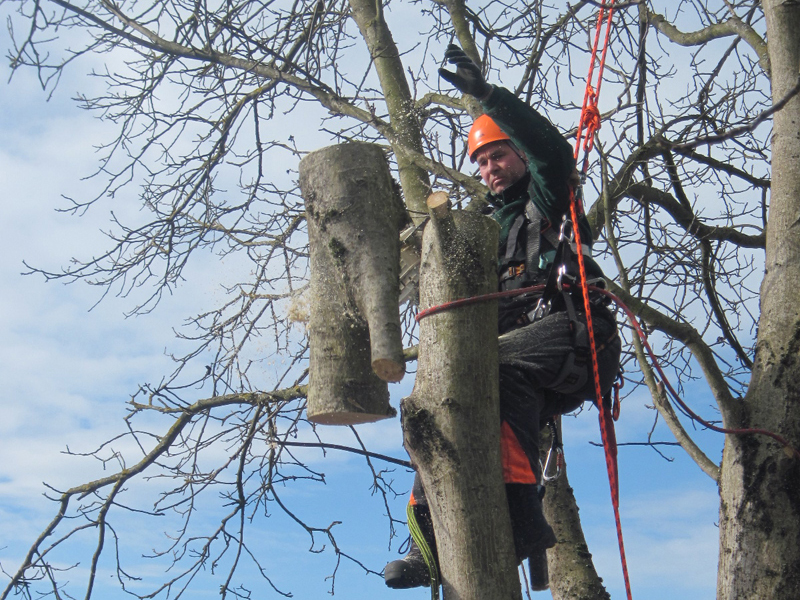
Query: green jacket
550, 164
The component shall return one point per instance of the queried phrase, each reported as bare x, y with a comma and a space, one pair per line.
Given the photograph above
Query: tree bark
354, 214
760, 483
451, 421
572, 572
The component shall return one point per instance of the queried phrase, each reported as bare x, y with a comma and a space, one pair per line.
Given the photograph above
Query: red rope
590, 120
590, 114
694, 416
433, 310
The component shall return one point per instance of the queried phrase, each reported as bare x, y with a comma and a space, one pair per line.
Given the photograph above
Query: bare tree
680, 192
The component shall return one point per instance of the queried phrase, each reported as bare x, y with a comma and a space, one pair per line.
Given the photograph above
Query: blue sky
68, 371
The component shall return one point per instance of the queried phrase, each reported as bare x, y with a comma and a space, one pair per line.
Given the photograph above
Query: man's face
499, 166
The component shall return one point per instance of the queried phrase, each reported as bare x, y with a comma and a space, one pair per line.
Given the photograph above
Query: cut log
438, 204
354, 213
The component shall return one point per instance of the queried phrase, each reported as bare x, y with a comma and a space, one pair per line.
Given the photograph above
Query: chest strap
534, 236
532, 219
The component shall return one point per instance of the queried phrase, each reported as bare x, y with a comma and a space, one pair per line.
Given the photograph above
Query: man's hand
468, 78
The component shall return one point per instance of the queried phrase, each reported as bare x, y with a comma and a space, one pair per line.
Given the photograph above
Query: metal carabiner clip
559, 463
562, 274
598, 282
541, 311
567, 232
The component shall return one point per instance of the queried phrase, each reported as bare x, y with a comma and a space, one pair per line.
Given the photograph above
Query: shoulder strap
513, 234
534, 231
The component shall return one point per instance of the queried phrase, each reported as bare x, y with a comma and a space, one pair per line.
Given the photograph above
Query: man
545, 369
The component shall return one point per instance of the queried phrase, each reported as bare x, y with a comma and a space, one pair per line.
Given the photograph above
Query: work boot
412, 570
537, 567
532, 534
408, 572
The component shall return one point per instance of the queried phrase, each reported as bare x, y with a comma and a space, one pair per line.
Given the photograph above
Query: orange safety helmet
484, 131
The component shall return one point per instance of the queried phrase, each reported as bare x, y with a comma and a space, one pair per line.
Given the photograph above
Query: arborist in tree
545, 367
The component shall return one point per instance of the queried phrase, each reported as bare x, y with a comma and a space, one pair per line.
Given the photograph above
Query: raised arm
549, 156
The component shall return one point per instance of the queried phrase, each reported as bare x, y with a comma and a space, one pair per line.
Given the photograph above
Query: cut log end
439, 204
389, 370
349, 418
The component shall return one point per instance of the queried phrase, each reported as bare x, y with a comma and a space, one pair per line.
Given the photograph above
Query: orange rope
590, 122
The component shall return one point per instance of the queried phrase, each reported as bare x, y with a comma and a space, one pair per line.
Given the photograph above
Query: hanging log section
354, 214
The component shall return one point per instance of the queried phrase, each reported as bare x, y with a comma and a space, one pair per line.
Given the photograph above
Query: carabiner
598, 282
562, 274
567, 232
559, 464
541, 311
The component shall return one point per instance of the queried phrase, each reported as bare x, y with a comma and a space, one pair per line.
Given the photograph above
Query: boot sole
399, 575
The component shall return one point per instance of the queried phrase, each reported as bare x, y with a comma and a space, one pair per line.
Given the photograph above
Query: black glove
468, 78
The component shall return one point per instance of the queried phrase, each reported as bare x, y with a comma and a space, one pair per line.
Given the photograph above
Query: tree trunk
760, 483
451, 421
572, 572
354, 216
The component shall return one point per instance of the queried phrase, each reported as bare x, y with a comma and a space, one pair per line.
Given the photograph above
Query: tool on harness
618, 384
544, 306
555, 455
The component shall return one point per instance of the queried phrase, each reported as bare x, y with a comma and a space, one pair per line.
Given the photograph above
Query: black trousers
531, 362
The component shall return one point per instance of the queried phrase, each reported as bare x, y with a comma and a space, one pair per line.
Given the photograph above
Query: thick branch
689, 221
732, 26
368, 14
689, 336
701, 459
711, 293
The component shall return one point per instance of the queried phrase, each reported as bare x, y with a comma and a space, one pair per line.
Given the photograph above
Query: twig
732, 133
